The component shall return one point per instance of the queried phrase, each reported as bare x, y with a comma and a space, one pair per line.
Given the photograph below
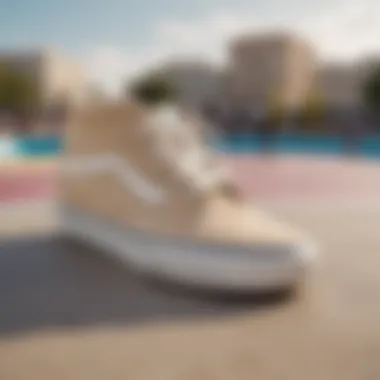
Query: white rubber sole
201, 264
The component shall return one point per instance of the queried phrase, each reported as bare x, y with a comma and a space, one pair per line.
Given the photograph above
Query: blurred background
273, 84
292, 93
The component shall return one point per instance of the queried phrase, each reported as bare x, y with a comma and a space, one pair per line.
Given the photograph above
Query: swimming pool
295, 143
300, 143
36, 146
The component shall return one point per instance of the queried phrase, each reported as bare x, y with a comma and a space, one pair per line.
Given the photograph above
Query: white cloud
208, 35
350, 29
345, 32
111, 66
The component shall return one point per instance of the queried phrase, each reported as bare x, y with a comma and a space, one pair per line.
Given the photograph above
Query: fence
237, 143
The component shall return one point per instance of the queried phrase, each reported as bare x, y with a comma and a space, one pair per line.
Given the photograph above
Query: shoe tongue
170, 120
167, 117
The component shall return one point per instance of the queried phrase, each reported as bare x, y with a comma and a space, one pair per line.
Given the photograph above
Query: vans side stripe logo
134, 180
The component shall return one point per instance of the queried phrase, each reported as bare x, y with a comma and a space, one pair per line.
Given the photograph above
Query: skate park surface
69, 313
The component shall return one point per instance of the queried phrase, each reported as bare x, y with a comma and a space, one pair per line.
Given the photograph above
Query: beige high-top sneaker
142, 185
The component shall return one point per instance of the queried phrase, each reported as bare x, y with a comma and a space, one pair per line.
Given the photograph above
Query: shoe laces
178, 142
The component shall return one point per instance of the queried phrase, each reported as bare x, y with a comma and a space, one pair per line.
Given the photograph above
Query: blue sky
77, 24
114, 39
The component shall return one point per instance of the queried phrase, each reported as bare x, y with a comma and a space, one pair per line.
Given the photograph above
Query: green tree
276, 111
371, 90
311, 114
18, 93
153, 89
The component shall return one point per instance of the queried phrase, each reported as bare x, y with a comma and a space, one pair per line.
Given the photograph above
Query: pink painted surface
24, 181
306, 177
260, 177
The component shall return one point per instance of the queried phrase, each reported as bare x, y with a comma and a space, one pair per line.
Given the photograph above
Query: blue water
238, 143
370, 147
38, 146
300, 143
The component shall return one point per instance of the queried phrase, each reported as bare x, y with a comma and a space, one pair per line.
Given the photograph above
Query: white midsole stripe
92, 165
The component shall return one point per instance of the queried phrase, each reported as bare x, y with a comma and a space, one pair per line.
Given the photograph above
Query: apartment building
269, 67
341, 83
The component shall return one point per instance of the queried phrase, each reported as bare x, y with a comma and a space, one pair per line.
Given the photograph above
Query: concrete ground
68, 313
73, 317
